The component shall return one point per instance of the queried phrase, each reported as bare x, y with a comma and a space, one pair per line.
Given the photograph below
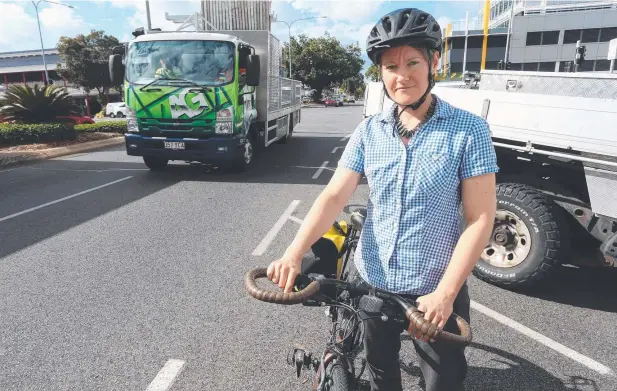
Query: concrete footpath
14, 158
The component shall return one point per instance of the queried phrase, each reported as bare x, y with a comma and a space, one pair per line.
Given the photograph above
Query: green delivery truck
210, 97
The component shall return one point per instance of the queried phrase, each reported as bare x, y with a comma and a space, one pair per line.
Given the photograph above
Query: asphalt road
116, 278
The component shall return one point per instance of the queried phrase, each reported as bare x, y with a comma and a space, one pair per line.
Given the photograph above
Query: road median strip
8, 158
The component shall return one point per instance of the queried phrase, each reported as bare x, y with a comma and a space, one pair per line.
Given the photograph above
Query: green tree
24, 104
322, 62
372, 73
359, 93
352, 84
86, 59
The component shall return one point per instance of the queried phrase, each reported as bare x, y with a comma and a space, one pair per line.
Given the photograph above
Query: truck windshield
208, 63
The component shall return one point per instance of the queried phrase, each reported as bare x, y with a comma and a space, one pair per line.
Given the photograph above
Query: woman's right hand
284, 271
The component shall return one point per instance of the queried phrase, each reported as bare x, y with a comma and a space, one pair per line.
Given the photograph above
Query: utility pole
36, 7
148, 15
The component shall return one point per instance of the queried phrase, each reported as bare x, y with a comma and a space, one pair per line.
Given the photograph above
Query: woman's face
404, 71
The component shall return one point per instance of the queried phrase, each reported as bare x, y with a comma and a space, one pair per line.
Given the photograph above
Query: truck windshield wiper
152, 82
172, 81
185, 81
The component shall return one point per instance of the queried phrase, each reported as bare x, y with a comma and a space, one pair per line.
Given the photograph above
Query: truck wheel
529, 239
155, 163
245, 162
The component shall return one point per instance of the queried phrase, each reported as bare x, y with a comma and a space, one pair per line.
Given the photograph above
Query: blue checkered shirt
412, 223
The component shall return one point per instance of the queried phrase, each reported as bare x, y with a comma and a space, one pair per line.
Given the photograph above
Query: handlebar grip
273, 296
416, 318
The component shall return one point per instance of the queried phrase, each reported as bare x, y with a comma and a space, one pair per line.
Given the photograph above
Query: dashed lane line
62, 199
166, 376
320, 169
263, 246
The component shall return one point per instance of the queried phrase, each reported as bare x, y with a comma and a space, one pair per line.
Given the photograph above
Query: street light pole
289, 28
36, 7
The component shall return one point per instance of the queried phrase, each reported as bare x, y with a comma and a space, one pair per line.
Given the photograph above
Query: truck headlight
223, 128
131, 121
224, 121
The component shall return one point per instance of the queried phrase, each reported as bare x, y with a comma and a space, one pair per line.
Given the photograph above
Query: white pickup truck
556, 140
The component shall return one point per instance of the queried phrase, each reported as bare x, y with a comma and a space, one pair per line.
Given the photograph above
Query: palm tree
24, 104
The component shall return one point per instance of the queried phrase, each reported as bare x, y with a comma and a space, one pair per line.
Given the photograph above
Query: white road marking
320, 170
263, 246
295, 219
335, 149
346, 137
7, 170
166, 376
574, 355
61, 199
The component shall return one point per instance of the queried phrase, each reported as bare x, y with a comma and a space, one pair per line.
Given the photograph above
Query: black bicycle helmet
406, 26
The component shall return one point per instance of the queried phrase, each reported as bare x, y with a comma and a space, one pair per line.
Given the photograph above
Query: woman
421, 158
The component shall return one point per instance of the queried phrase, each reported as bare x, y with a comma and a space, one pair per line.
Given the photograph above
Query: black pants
444, 367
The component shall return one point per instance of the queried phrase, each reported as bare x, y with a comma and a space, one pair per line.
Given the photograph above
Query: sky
347, 20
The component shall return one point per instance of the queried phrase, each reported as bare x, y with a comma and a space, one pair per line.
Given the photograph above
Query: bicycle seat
358, 218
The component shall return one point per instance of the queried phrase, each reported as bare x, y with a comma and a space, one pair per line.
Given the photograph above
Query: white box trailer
556, 140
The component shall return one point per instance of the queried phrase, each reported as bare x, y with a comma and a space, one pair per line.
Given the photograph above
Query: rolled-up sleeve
479, 157
353, 155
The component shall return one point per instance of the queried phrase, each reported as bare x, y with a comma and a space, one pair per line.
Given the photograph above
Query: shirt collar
442, 110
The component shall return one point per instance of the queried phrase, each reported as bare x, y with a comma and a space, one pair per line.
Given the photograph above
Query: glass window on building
530, 66
608, 33
456, 67
534, 38
473, 66
491, 64
474, 42
571, 36
603, 65
497, 41
590, 35
586, 66
548, 66
550, 37
516, 66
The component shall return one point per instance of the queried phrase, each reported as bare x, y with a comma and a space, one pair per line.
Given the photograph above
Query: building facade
542, 36
26, 67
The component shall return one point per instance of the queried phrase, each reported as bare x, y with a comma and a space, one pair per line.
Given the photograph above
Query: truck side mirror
252, 70
116, 69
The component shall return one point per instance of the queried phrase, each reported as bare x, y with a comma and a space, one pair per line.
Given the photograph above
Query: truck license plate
174, 145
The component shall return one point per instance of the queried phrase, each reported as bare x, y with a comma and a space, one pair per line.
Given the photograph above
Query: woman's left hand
437, 308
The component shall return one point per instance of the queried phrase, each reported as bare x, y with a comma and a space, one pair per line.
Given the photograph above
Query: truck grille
157, 127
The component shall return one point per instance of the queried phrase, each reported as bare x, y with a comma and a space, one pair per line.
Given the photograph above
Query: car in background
331, 102
75, 119
116, 109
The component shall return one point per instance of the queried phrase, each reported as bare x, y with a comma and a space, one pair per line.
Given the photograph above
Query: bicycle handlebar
414, 316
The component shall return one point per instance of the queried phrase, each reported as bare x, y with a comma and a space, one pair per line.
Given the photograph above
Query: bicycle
322, 284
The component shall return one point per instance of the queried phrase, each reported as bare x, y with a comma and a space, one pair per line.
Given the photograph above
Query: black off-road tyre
155, 163
547, 228
339, 378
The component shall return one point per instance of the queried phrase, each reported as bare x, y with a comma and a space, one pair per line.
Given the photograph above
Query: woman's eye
390, 67
412, 63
